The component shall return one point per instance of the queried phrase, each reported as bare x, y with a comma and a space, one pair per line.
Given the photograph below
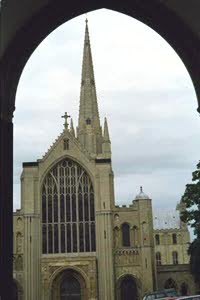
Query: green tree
191, 215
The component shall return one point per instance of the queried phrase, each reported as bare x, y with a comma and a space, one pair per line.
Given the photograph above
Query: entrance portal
69, 285
128, 289
70, 288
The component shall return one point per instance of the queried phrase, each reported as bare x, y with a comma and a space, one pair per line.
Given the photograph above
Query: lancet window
175, 258
158, 259
174, 238
125, 235
68, 210
157, 239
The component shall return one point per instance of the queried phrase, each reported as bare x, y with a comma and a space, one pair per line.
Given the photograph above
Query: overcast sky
143, 89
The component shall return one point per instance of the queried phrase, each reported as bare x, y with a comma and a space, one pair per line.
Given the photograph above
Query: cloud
142, 87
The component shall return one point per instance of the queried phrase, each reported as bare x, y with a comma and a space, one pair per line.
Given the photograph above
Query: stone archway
69, 285
127, 288
27, 23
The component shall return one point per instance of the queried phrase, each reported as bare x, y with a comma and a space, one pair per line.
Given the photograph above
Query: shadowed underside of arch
69, 284
127, 288
26, 23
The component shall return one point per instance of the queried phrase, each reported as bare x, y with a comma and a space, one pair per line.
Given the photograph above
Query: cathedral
71, 242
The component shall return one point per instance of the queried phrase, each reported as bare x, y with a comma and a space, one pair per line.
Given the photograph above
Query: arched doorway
70, 288
69, 285
127, 289
170, 284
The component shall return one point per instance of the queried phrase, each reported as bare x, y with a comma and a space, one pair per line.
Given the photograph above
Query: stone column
6, 204
104, 232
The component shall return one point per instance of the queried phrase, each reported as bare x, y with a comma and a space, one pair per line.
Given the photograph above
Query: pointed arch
128, 287
68, 210
69, 282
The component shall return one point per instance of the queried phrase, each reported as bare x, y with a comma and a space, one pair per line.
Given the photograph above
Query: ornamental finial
66, 116
141, 190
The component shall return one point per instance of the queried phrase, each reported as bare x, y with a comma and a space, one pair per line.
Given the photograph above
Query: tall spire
89, 129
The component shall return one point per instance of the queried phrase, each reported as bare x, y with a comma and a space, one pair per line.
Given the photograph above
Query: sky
144, 90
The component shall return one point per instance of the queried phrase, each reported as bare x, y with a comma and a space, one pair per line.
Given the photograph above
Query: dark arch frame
170, 283
17, 287
64, 273
119, 284
180, 30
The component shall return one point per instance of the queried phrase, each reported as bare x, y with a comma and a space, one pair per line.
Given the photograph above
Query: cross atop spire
65, 116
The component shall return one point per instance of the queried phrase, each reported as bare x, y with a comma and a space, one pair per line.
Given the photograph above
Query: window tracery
68, 211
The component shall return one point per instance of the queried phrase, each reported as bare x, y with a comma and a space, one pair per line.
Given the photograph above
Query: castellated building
70, 239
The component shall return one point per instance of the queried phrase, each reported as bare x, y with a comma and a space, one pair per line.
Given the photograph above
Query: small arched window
66, 144
174, 238
175, 257
157, 239
158, 259
125, 235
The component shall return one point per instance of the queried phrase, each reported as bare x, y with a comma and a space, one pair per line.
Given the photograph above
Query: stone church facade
70, 239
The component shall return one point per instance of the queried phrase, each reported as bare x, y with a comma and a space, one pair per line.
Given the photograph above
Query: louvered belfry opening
68, 212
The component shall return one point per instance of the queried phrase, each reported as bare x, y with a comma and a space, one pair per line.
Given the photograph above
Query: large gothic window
68, 211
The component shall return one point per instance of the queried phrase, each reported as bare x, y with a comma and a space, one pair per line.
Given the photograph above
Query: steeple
89, 131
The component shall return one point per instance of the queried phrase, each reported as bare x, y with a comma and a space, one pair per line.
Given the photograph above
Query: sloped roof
166, 219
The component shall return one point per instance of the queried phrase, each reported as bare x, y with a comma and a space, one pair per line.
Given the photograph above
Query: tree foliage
191, 199
191, 215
